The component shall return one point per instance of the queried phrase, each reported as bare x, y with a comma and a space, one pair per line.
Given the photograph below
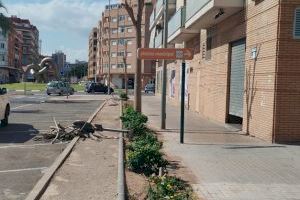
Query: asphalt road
23, 160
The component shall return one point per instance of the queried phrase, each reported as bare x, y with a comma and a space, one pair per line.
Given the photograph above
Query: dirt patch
137, 186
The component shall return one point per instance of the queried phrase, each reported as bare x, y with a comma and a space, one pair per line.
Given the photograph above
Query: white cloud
63, 16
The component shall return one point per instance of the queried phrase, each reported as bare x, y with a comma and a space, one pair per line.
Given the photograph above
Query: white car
4, 107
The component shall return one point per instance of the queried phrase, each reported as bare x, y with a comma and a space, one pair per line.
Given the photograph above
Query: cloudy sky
63, 24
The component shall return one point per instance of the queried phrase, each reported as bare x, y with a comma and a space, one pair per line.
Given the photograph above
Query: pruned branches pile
83, 129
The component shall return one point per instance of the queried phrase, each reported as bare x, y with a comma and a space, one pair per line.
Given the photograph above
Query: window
2, 45
121, 42
114, 19
121, 29
297, 24
2, 58
121, 53
95, 48
208, 48
129, 54
121, 17
129, 42
121, 65
113, 54
114, 31
114, 42
129, 30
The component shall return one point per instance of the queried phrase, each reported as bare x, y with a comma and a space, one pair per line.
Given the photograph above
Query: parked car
98, 87
60, 88
4, 107
150, 87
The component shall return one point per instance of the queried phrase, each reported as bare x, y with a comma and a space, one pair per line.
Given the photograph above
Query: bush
169, 187
144, 157
134, 121
124, 96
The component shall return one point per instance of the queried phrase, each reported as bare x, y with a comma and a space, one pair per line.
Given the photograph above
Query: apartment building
246, 65
93, 49
117, 47
60, 60
30, 41
10, 56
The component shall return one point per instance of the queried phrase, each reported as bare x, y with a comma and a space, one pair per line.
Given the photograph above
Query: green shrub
124, 96
134, 121
169, 187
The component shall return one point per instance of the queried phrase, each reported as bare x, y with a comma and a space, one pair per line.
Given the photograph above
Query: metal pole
164, 75
182, 102
109, 49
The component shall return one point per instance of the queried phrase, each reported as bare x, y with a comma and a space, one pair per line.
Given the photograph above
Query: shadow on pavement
17, 133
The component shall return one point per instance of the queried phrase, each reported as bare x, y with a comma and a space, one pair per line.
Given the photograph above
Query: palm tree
4, 21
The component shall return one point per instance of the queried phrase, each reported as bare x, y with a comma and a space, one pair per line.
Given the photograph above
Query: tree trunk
138, 75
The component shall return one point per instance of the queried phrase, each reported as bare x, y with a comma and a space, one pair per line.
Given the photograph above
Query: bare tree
136, 18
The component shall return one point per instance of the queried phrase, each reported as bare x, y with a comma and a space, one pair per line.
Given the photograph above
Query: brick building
30, 41
93, 49
117, 47
246, 65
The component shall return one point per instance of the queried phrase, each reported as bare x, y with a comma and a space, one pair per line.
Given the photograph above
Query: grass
35, 86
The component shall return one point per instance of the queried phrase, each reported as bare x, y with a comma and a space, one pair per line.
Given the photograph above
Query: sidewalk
225, 164
91, 170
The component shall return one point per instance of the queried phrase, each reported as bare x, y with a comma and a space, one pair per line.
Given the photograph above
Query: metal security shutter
297, 24
237, 75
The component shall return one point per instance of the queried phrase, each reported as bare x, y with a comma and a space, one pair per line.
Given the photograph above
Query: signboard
165, 54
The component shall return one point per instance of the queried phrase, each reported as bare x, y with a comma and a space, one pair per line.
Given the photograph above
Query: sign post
183, 66
171, 54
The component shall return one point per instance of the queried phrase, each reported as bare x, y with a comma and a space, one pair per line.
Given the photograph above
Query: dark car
98, 87
150, 87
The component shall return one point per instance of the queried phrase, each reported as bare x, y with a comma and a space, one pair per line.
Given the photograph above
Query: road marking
21, 106
30, 145
26, 169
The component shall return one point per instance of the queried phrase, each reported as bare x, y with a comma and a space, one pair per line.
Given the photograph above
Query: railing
159, 5
194, 6
177, 21
159, 39
152, 17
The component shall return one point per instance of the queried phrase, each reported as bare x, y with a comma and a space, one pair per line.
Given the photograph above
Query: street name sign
165, 54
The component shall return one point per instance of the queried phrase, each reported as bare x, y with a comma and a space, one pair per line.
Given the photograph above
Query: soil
136, 185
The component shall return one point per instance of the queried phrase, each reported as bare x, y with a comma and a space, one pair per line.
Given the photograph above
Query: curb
40, 187
67, 101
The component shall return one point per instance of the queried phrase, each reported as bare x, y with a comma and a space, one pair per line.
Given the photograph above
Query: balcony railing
193, 6
177, 21
159, 5
159, 39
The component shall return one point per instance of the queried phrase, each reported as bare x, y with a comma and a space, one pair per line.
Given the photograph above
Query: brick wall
287, 110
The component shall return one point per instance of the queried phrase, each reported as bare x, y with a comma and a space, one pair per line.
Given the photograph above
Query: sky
63, 24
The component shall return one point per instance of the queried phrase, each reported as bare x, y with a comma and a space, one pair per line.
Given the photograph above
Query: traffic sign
165, 54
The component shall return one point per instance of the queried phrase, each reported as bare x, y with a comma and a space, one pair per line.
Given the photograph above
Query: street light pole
164, 75
109, 48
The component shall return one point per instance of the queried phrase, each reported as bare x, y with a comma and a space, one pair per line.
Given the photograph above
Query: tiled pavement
227, 165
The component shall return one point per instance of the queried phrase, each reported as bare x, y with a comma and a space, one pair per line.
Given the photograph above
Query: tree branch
130, 12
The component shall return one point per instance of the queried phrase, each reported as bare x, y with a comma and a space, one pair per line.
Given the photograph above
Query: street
24, 160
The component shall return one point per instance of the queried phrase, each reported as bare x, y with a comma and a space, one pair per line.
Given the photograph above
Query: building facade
30, 42
246, 65
93, 54
59, 58
117, 47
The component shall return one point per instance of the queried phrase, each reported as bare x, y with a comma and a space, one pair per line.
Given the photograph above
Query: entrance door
237, 75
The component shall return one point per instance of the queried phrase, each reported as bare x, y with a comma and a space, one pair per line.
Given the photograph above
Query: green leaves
169, 187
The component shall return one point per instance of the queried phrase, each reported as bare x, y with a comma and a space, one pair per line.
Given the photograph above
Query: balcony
176, 28
158, 40
202, 14
158, 11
